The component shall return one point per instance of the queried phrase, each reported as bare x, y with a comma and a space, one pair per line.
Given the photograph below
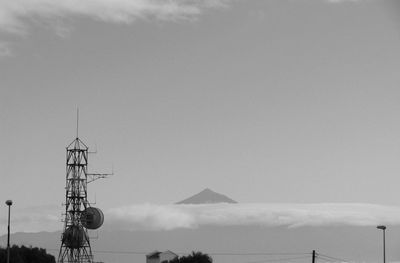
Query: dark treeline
195, 257
26, 255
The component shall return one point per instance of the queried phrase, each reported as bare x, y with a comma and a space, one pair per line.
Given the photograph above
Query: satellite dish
74, 237
93, 218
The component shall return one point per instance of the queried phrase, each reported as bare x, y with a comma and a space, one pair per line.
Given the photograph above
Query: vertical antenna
75, 241
77, 121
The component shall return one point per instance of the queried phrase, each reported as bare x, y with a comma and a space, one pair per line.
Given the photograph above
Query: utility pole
8, 203
383, 228
313, 256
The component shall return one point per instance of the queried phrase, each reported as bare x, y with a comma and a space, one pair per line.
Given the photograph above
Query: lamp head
9, 202
381, 227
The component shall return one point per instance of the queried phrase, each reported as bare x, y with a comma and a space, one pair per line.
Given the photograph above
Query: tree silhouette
26, 255
194, 257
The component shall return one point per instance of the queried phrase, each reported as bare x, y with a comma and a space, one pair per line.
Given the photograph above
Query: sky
273, 101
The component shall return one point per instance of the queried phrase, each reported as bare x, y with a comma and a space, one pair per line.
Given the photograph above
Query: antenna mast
77, 122
79, 216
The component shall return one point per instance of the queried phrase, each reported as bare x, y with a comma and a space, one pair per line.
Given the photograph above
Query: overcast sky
270, 101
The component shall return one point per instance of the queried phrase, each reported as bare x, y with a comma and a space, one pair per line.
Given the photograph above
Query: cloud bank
169, 217
32, 219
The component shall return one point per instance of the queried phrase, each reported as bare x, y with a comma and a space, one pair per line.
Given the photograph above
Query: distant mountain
207, 196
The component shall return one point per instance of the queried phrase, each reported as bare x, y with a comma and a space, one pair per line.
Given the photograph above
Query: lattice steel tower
79, 216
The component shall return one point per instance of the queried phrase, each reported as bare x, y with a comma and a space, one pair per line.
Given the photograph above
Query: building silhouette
159, 257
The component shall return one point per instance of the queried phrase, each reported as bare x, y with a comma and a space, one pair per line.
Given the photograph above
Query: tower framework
75, 241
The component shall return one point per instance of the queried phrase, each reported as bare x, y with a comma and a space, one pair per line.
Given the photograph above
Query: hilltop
207, 196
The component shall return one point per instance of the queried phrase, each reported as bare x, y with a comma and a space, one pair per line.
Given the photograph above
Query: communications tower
79, 215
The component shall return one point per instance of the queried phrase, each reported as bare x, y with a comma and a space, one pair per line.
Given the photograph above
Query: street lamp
383, 228
9, 203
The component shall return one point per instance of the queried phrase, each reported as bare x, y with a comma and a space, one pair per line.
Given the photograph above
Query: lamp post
383, 228
9, 203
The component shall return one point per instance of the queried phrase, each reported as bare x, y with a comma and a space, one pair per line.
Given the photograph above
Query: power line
278, 260
326, 259
334, 258
257, 254
121, 252
297, 255
209, 253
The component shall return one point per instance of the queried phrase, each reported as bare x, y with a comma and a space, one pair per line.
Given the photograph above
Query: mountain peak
207, 190
207, 196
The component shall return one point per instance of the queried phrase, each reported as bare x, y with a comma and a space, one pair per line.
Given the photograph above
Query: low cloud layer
32, 219
168, 217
